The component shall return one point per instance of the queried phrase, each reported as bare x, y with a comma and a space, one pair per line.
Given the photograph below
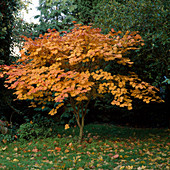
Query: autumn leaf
57, 149
15, 160
58, 135
80, 168
66, 151
70, 144
15, 149
67, 126
4, 140
35, 150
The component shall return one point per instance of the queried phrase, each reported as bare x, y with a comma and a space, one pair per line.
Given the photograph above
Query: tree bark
81, 129
81, 134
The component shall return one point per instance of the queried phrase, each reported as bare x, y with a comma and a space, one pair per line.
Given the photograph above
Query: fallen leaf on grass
141, 168
100, 158
50, 150
16, 149
66, 151
80, 168
47, 161
129, 167
35, 150
90, 140
115, 156
4, 148
57, 149
15, 160
88, 153
37, 165
29, 143
110, 154
70, 144
39, 155
121, 150
3, 166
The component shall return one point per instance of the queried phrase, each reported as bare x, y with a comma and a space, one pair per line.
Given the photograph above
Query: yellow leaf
120, 156
81, 168
16, 149
15, 160
4, 148
142, 162
129, 167
67, 126
37, 165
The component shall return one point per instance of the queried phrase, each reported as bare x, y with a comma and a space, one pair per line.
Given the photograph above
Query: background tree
7, 10
55, 15
72, 69
86, 11
10, 31
60, 14
150, 18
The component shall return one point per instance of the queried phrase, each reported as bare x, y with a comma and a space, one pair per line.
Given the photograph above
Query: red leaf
116, 156
58, 149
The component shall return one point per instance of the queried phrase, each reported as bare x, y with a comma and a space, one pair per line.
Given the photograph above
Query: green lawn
104, 147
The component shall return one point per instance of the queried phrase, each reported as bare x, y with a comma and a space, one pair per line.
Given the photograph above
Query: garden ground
104, 147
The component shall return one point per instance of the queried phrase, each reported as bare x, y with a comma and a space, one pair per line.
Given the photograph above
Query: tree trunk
81, 134
81, 129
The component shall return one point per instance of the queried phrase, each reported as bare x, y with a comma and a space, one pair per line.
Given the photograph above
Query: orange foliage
55, 68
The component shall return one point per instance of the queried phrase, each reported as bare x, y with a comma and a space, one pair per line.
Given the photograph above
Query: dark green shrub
31, 130
150, 18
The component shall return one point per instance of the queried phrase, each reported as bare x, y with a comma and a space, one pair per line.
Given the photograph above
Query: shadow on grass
109, 131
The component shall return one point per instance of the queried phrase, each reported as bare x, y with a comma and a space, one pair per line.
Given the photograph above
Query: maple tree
72, 69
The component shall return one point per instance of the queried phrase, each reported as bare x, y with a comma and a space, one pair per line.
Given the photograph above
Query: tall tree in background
10, 31
150, 18
55, 15
7, 10
86, 10
59, 14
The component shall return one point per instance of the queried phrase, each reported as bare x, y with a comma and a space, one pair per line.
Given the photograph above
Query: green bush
38, 126
7, 138
29, 131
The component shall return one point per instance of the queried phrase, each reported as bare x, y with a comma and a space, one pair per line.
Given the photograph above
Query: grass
104, 147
